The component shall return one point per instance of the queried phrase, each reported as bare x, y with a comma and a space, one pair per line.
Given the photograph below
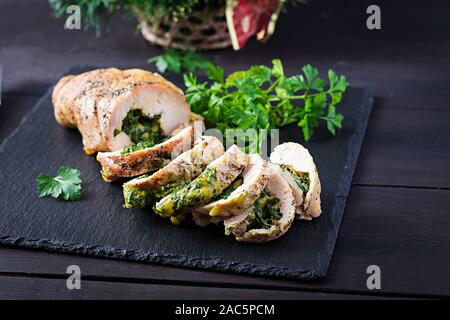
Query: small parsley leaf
312, 78
216, 73
66, 185
177, 61
277, 69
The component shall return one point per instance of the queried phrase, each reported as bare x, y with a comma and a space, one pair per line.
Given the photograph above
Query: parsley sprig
265, 98
177, 61
66, 185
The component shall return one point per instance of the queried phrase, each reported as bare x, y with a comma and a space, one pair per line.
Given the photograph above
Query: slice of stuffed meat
137, 160
299, 170
271, 215
142, 191
218, 175
239, 195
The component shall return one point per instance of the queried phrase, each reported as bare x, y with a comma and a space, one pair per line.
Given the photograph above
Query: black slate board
99, 226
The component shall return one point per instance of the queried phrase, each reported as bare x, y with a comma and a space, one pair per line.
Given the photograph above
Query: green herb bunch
93, 12
178, 61
265, 98
172, 9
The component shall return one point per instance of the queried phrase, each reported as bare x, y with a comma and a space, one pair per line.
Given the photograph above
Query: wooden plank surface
32, 288
406, 147
403, 229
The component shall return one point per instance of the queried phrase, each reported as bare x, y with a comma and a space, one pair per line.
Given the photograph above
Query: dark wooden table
398, 214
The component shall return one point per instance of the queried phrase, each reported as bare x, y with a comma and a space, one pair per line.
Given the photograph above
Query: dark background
397, 216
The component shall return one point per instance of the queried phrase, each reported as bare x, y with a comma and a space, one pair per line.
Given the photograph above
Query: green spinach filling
265, 212
137, 198
144, 132
166, 189
300, 178
228, 190
204, 188
142, 198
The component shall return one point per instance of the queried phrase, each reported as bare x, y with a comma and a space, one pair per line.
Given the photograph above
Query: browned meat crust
87, 101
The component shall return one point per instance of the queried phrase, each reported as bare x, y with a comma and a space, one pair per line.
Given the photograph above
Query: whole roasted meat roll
114, 109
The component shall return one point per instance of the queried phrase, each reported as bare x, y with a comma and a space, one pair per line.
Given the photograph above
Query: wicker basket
202, 30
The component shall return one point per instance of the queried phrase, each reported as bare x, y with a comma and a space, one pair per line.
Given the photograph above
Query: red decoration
246, 18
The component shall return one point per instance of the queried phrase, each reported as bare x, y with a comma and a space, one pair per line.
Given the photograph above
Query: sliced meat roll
209, 184
241, 194
98, 103
270, 217
138, 193
301, 173
128, 163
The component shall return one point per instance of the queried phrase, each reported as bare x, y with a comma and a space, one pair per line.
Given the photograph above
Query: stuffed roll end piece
113, 109
135, 161
209, 184
300, 172
143, 191
271, 215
